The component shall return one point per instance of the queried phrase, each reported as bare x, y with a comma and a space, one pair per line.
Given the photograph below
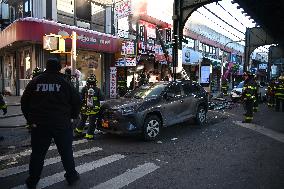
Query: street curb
9, 116
12, 126
14, 104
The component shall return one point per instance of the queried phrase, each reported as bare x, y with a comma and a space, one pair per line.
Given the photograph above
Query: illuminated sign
50, 43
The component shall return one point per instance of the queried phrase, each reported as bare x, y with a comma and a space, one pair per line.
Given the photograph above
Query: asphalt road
222, 154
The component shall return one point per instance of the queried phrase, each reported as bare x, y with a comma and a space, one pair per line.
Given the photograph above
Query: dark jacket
249, 90
97, 97
49, 99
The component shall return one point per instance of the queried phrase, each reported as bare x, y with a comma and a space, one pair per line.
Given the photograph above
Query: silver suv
147, 109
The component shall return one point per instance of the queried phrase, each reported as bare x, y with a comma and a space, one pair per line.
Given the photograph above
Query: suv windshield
147, 91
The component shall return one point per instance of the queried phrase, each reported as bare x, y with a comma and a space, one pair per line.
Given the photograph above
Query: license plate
105, 124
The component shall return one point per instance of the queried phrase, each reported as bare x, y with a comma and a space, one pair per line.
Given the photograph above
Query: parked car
236, 92
149, 108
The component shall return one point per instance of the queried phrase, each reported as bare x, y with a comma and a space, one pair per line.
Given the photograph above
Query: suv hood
121, 103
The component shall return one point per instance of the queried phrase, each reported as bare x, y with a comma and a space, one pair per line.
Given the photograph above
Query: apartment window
200, 46
27, 6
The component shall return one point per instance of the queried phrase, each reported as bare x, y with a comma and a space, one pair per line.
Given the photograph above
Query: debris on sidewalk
220, 104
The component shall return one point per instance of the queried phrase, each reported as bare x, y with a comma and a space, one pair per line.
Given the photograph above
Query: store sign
122, 8
205, 73
113, 87
273, 70
128, 48
262, 66
146, 48
127, 61
150, 28
190, 56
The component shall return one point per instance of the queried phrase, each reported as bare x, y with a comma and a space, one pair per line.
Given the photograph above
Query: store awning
33, 30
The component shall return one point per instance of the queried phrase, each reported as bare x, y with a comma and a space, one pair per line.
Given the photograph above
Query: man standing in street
49, 103
248, 96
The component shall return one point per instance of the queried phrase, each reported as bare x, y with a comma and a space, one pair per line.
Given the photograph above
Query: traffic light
54, 43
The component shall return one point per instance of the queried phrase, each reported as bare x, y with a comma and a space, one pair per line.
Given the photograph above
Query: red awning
33, 30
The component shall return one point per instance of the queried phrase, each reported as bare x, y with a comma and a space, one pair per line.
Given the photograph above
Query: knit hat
53, 65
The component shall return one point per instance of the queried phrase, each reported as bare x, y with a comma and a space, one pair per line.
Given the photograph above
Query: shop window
27, 8
87, 63
200, 46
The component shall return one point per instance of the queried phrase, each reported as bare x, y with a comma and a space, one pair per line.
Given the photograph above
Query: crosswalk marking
58, 177
128, 177
28, 152
23, 168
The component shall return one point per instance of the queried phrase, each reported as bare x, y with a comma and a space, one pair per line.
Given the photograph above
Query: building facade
21, 47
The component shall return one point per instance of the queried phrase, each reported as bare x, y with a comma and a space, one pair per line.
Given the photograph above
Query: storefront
190, 61
21, 51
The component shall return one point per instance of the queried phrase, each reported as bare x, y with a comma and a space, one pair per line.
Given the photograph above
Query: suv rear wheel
152, 126
200, 117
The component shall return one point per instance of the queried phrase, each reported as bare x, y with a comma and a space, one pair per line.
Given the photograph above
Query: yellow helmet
281, 77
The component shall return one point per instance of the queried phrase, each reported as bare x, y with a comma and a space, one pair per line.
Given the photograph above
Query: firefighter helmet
36, 72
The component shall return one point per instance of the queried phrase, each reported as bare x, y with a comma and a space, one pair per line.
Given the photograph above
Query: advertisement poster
112, 87
205, 73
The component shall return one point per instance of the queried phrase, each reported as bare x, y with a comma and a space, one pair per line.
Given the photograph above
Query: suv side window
189, 88
175, 89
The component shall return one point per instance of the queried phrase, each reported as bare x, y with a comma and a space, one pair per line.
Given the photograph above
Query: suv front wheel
152, 126
200, 117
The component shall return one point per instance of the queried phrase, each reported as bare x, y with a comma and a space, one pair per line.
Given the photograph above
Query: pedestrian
279, 94
271, 93
3, 107
248, 96
91, 97
49, 103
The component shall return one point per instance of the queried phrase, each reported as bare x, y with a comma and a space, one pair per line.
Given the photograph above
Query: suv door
173, 107
191, 98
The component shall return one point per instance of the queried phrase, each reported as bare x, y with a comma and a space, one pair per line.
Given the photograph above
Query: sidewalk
14, 116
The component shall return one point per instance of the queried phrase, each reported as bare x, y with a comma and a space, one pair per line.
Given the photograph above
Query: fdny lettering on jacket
48, 87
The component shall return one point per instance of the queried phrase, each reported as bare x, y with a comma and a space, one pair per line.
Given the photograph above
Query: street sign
50, 43
54, 43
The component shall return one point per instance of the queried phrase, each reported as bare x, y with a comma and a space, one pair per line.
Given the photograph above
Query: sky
229, 13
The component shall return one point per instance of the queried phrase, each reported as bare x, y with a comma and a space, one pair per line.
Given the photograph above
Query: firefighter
225, 87
36, 72
279, 94
256, 100
271, 93
248, 96
92, 96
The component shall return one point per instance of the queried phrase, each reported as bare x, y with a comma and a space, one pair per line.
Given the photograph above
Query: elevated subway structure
268, 14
